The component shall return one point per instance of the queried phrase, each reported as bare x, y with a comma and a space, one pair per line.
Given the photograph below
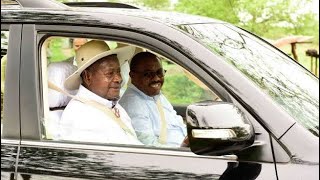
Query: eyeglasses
151, 74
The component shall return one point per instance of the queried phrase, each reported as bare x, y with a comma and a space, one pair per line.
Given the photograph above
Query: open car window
183, 88
59, 62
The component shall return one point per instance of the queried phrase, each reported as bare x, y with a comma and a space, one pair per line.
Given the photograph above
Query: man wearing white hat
94, 114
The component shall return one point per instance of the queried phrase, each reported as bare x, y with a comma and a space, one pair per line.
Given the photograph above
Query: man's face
148, 76
78, 42
104, 78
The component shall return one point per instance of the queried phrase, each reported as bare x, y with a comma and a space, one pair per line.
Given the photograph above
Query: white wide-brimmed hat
89, 53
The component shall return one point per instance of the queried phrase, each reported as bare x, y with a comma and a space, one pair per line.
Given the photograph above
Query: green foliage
219, 9
180, 90
308, 25
261, 16
267, 18
159, 4
59, 49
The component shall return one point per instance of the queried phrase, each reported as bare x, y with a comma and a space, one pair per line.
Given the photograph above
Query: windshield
292, 87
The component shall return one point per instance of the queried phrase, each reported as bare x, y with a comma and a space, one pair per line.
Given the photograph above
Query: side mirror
218, 128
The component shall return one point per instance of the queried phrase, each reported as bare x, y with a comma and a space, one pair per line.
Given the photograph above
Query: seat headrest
57, 73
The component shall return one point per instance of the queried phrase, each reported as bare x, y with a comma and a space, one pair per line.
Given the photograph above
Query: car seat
57, 73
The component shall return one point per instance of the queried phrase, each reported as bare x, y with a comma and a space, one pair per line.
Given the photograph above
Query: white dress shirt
86, 123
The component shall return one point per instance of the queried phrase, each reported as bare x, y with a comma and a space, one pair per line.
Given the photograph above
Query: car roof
90, 14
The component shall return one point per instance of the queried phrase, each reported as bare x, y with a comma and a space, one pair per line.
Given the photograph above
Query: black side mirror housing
218, 128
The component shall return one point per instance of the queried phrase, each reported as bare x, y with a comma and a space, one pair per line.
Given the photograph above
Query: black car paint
60, 163
8, 157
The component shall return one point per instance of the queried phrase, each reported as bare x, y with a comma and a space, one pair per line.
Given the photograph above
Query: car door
67, 160
10, 107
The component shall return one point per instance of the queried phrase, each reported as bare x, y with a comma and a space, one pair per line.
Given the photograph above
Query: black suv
251, 111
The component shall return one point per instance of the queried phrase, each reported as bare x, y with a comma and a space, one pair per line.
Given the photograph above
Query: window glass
87, 113
289, 85
58, 63
4, 48
183, 88
59, 49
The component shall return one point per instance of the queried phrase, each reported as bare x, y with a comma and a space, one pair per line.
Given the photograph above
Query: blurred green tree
222, 10
268, 18
156, 4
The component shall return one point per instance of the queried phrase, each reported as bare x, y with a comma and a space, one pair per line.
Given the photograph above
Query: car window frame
101, 33
11, 102
44, 31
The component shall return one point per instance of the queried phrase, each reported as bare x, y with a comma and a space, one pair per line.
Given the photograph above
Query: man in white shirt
153, 117
94, 114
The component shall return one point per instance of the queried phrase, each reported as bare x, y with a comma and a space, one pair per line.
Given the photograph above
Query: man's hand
185, 142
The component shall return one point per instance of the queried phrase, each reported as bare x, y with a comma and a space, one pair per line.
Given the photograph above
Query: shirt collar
89, 95
153, 98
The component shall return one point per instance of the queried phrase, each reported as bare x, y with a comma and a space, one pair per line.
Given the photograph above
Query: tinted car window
288, 84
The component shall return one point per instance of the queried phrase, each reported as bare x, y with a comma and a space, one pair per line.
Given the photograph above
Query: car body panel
11, 129
57, 159
299, 146
9, 151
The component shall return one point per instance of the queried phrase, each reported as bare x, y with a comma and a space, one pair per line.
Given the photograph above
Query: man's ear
131, 74
86, 78
133, 77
